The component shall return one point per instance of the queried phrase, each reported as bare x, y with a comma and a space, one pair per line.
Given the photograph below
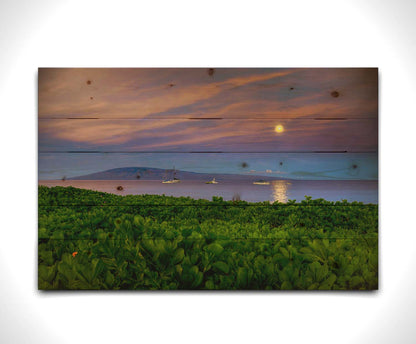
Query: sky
156, 116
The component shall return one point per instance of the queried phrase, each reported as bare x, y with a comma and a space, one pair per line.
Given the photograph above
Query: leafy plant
94, 240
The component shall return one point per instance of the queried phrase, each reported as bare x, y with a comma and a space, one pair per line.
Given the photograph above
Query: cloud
226, 134
149, 108
65, 93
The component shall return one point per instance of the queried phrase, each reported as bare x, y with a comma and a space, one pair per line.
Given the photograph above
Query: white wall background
361, 33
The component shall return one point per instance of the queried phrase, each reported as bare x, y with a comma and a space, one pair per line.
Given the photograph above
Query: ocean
365, 191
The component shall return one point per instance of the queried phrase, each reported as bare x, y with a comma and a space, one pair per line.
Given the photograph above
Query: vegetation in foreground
95, 240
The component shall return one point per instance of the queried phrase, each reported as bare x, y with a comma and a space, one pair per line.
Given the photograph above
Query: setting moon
278, 128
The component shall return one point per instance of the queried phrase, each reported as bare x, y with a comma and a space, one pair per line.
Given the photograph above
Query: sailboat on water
173, 180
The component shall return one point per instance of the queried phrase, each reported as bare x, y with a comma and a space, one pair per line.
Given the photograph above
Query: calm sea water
279, 190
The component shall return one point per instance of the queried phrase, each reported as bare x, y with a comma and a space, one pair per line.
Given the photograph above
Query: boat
171, 181
174, 180
213, 181
261, 182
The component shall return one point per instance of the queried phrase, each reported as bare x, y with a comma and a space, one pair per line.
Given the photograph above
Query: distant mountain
147, 173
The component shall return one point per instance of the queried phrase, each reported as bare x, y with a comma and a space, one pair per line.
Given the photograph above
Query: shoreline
283, 191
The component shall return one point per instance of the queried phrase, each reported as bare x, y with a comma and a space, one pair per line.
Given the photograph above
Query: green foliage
93, 240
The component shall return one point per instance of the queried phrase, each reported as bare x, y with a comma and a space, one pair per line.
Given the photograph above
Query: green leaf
356, 281
284, 251
286, 285
68, 259
221, 266
98, 267
58, 235
47, 257
194, 270
43, 233
209, 285
198, 277
178, 269
178, 256
214, 248
46, 273
109, 279
244, 277
329, 281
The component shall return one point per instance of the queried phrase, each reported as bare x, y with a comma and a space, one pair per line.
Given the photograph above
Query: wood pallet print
208, 178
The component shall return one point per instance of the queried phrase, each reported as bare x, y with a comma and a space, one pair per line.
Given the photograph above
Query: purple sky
150, 109
198, 110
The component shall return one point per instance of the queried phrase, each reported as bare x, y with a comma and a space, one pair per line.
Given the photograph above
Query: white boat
171, 181
213, 181
261, 182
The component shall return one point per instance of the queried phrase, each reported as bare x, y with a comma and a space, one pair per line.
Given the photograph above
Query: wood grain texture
243, 93
276, 123
279, 165
225, 135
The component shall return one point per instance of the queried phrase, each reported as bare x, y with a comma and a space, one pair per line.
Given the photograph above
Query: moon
279, 128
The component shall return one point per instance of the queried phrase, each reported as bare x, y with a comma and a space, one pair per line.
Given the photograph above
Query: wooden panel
343, 166
244, 93
287, 176
307, 213
235, 147
226, 135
